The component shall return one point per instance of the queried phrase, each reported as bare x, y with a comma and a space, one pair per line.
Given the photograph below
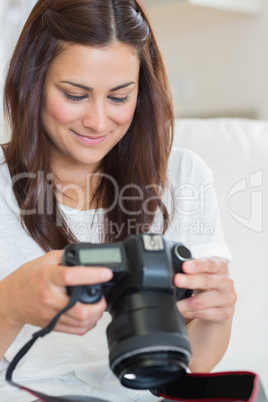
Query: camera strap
39, 334
229, 386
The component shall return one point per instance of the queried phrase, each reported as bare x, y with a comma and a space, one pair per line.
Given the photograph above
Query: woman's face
88, 102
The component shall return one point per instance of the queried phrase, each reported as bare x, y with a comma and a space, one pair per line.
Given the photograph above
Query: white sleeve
196, 221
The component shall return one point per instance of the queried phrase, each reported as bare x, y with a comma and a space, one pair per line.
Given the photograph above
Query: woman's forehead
113, 64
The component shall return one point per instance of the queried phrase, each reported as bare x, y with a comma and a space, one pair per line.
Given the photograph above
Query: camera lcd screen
110, 255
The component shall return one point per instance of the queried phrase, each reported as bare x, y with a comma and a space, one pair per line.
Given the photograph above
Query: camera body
148, 343
140, 262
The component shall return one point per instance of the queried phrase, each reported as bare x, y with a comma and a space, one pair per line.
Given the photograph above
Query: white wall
217, 61
13, 14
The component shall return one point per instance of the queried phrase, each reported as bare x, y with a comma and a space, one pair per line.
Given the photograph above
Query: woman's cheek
60, 111
66, 113
125, 115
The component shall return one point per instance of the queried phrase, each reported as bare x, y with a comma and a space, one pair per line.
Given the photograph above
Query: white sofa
237, 152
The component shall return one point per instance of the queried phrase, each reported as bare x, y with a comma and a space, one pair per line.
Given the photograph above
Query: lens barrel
147, 340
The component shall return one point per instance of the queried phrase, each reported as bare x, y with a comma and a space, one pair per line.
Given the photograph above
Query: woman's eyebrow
127, 84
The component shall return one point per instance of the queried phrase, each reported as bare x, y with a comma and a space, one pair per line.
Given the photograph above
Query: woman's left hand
214, 295
209, 311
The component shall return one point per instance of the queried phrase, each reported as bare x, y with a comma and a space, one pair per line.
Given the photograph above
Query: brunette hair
139, 159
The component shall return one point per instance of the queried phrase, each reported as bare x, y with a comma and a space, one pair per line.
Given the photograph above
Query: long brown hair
140, 158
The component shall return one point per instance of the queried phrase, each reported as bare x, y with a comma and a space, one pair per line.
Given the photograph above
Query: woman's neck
76, 188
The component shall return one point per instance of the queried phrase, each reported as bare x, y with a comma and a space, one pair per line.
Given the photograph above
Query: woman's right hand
36, 292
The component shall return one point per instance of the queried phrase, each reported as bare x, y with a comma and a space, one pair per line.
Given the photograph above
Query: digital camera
147, 338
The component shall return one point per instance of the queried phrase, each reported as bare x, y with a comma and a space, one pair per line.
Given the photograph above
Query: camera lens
148, 346
149, 370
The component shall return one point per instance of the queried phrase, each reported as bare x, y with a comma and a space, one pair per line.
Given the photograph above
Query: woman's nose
95, 117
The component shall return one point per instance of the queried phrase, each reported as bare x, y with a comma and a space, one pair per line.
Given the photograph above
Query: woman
90, 159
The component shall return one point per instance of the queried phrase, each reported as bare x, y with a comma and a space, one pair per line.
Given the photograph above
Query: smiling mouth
90, 140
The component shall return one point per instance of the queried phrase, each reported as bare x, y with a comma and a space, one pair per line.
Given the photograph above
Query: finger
212, 314
79, 315
90, 322
212, 265
74, 276
207, 300
81, 318
73, 330
81, 312
202, 281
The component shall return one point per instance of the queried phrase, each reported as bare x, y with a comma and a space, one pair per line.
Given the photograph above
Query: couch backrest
237, 152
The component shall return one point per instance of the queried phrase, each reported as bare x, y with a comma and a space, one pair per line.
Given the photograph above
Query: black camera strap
39, 334
229, 386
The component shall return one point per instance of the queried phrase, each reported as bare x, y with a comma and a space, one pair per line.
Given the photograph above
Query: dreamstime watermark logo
255, 191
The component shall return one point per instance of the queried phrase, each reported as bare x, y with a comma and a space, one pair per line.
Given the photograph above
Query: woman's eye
75, 98
118, 100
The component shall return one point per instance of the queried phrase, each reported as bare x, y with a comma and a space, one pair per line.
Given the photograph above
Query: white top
63, 364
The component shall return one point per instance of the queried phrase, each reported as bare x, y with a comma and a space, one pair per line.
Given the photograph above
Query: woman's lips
90, 140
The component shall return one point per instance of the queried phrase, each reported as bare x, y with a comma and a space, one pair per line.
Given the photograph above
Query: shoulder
195, 219
186, 158
186, 166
